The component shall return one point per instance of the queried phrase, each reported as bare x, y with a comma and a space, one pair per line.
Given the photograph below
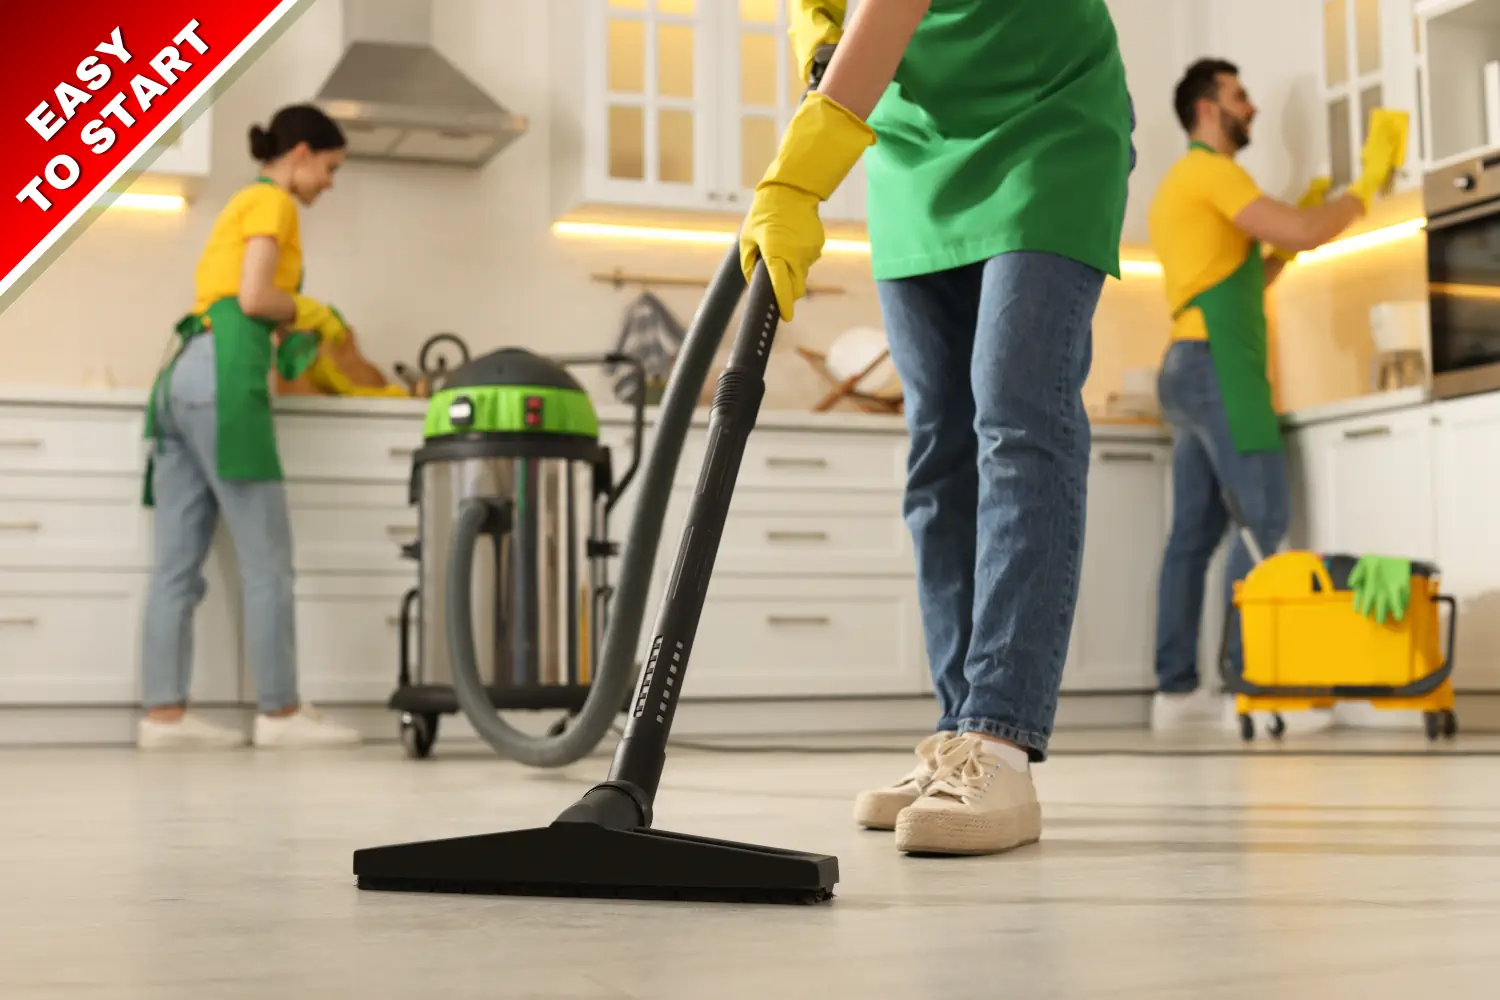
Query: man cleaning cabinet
1209, 223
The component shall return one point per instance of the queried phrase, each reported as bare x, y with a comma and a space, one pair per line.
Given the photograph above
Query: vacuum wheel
418, 733
1444, 724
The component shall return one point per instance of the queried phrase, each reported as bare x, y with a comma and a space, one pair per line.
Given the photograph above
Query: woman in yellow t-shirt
214, 446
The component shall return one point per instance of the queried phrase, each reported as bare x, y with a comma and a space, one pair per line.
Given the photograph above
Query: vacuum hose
616, 671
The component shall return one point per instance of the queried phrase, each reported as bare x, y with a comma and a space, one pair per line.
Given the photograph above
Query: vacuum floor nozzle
582, 859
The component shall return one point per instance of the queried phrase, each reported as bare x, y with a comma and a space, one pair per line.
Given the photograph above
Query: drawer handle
797, 536
1367, 432
20, 442
16, 620
403, 452
796, 463
400, 530
1128, 456
20, 526
797, 619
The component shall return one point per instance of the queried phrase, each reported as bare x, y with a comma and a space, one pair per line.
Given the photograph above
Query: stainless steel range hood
399, 99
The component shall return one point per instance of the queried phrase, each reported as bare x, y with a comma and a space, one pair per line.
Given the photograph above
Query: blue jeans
992, 359
190, 496
1204, 464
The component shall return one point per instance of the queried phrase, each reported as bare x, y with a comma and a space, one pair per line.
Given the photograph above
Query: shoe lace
962, 770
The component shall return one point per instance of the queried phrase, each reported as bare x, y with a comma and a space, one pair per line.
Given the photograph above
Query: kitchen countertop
1358, 406
609, 413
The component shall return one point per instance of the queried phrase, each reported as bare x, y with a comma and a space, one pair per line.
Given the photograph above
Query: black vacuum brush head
589, 860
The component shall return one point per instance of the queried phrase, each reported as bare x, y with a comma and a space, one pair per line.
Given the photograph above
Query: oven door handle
1459, 217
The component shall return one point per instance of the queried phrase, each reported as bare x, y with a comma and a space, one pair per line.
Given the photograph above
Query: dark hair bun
262, 144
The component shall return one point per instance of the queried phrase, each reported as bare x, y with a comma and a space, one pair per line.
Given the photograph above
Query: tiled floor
228, 876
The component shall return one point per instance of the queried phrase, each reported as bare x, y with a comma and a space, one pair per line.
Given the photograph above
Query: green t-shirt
1007, 127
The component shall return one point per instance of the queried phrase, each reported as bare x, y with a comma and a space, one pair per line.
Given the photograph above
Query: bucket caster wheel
1277, 726
418, 734
1247, 727
1444, 724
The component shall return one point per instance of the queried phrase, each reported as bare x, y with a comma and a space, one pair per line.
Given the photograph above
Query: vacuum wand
642, 751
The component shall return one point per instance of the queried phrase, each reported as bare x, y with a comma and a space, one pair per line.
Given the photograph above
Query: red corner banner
93, 86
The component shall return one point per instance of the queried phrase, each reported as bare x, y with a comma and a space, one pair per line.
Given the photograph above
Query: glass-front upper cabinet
651, 113
1370, 60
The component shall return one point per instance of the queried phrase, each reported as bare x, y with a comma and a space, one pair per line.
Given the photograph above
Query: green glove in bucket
1382, 587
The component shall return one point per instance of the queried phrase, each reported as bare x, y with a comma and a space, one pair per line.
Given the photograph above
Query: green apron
1234, 313
243, 357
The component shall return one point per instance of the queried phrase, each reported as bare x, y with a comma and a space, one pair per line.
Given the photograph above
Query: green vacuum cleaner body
514, 437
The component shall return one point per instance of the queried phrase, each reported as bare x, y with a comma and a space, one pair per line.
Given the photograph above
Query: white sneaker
185, 733
976, 803
305, 727
876, 809
1196, 711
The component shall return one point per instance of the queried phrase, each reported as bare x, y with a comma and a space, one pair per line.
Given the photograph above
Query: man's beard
1236, 130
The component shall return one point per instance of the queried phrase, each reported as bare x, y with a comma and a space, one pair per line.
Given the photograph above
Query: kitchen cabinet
1365, 485
1462, 44
1371, 59
1114, 626
675, 104
1466, 483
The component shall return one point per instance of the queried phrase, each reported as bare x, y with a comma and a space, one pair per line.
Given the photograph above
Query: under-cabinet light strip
145, 202
1128, 265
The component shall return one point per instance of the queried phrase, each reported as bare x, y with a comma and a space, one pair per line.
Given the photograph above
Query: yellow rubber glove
822, 143
327, 376
814, 23
314, 317
1315, 194
1383, 153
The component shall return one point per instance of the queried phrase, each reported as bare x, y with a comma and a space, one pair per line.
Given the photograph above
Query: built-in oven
1463, 275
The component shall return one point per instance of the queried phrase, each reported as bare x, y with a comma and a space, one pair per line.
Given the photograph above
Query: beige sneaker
877, 809
305, 727
974, 804
185, 733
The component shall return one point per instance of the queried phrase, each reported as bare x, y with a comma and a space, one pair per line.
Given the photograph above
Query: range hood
399, 99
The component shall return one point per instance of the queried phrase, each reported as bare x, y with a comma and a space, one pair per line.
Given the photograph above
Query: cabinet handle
1127, 456
804, 536
393, 620
1367, 432
403, 452
796, 463
20, 526
797, 619
20, 620
20, 442
400, 530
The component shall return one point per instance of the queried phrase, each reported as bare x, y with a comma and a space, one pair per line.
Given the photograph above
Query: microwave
1463, 275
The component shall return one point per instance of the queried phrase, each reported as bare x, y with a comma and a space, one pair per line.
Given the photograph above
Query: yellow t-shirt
1193, 232
259, 209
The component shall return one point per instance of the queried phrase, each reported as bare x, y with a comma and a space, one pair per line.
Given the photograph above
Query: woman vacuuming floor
997, 144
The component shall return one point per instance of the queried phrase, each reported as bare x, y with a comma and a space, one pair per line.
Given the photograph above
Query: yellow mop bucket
1305, 646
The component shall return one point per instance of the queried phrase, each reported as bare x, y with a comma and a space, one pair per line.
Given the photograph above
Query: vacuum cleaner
511, 455
604, 845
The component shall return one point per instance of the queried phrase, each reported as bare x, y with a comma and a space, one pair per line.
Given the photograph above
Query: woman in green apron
996, 140
213, 444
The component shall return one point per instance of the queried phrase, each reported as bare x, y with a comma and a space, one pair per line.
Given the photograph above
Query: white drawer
73, 522
351, 529
824, 460
783, 637
69, 638
349, 636
71, 439
358, 449
818, 534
